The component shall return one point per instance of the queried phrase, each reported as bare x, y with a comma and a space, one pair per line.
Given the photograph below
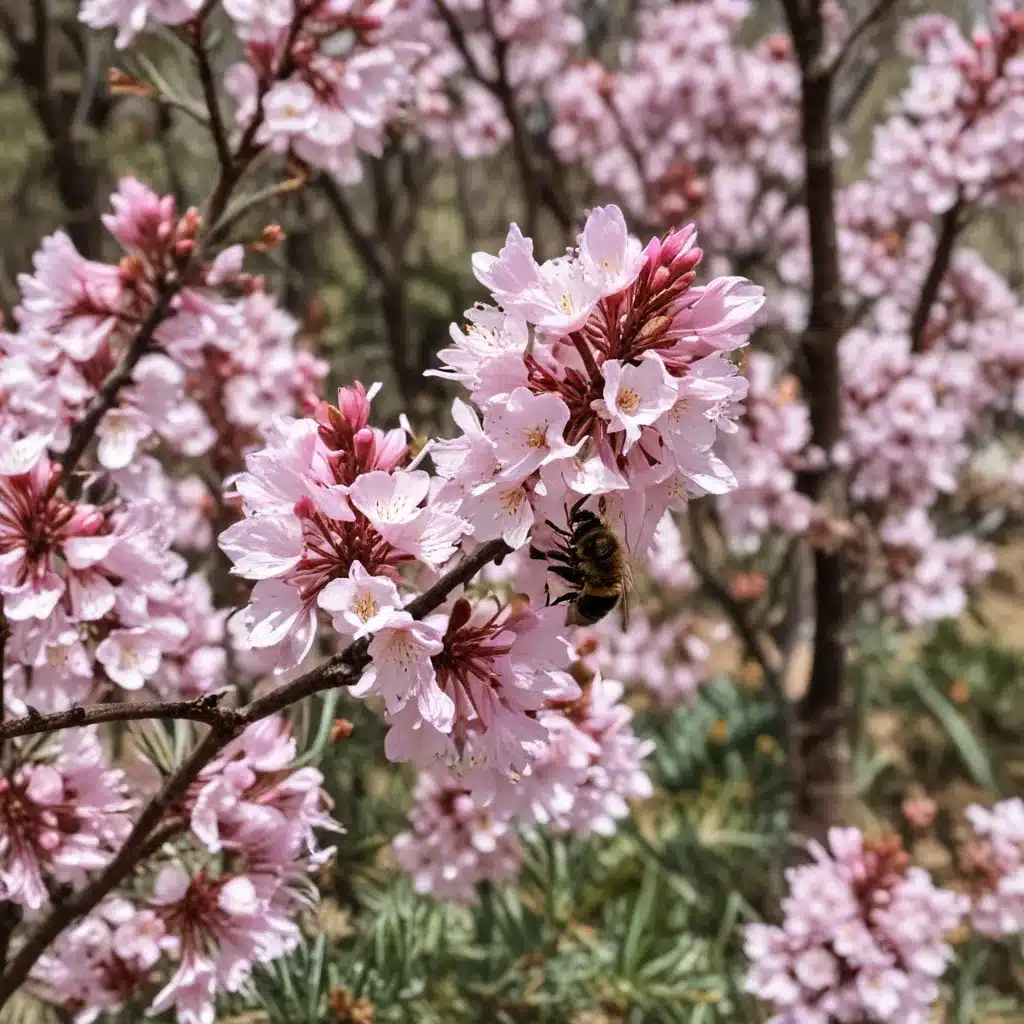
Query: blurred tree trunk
65, 118
823, 787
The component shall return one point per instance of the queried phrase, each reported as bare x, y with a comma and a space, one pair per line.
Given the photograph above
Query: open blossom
220, 927
591, 766
60, 819
928, 576
326, 494
862, 937
623, 387
995, 860
251, 802
225, 365
104, 961
465, 687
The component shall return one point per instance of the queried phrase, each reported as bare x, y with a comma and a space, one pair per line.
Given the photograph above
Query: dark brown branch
820, 770
341, 670
952, 221
75, 175
103, 401
361, 240
345, 668
537, 186
461, 43
211, 96
202, 709
231, 173
868, 20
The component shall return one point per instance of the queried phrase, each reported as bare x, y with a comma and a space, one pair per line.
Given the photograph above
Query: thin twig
104, 399
211, 96
952, 221
757, 644
461, 43
245, 204
871, 17
538, 187
341, 670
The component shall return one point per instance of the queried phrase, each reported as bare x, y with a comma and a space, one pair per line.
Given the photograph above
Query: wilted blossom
863, 937
60, 819
995, 859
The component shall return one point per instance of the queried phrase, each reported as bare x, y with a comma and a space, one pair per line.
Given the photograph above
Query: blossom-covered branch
343, 669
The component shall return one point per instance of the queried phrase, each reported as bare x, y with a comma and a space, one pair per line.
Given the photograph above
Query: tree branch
211, 96
345, 668
127, 858
341, 670
821, 767
952, 221
537, 186
756, 644
203, 709
871, 17
362, 242
103, 401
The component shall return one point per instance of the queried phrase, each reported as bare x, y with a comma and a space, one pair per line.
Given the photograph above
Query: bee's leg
558, 529
575, 509
551, 556
565, 573
565, 599
545, 556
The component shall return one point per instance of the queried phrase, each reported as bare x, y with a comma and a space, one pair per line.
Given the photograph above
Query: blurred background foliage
640, 927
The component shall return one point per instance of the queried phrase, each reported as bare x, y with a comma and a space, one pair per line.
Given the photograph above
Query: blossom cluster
319, 80
77, 316
600, 374
587, 768
720, 144
724, 146
251, 819
619, 398
995, 858
862, 937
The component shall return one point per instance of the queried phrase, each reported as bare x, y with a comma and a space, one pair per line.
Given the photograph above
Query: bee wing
626, 580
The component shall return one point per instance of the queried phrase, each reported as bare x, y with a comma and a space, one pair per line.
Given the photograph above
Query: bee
591, 559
